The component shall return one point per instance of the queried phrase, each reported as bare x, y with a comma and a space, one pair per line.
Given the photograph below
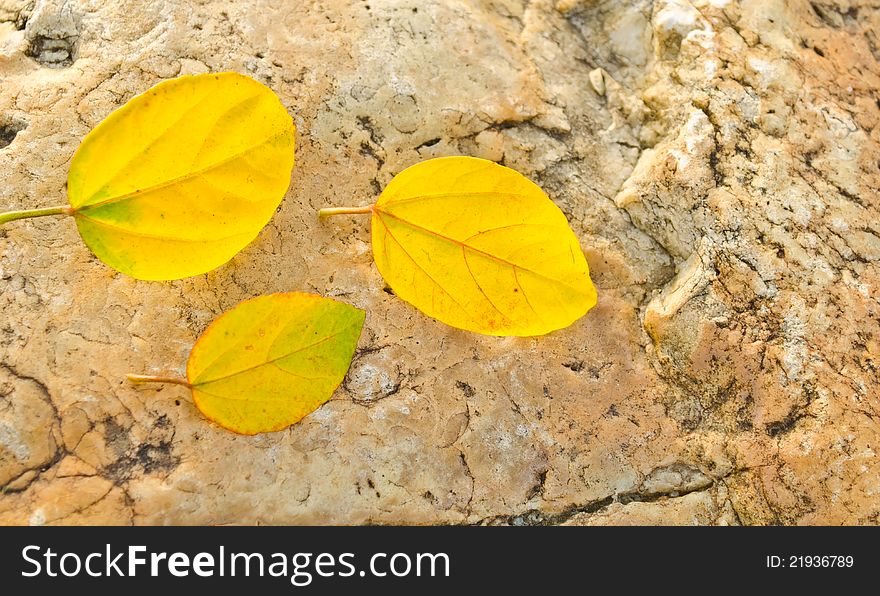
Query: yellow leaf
270, 361
182, 177
480, 247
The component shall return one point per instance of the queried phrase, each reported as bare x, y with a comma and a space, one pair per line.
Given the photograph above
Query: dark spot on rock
23, 15
54, 53
388, 290
429, 143
146, 458
465, 388
574, 365
156, 457
538, 488
367, 150
9, 129
596, 371
52, 35
116, 436
366, 124
785, 425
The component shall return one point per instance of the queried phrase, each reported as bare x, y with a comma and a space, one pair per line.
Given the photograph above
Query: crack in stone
59, 452
540, 517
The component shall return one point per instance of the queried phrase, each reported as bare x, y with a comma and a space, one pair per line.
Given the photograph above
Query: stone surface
719, 159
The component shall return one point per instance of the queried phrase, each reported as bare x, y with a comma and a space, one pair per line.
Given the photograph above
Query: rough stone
717, 158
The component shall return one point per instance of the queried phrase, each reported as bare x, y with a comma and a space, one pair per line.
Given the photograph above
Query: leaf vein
479, 287
474, 249
525, 296
181, 178
273, 360
416, 263
247, 399
152, 142
156, 236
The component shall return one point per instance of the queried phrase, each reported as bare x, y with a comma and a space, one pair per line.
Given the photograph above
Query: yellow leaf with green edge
182, 177
480, 247
270, 361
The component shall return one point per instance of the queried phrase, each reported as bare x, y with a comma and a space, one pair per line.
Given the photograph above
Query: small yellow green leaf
480, 247
270, 361
182, 177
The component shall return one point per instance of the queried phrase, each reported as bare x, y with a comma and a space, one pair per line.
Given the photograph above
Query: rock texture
719, 159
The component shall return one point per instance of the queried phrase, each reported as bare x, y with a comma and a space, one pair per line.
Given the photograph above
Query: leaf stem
24, 214
327, 211
157, 379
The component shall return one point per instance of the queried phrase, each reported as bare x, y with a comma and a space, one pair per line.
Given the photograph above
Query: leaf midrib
158, 236
466, 246
273, 360
152, 142
178, 179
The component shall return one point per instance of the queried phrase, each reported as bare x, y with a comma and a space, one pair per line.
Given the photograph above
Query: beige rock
724, 188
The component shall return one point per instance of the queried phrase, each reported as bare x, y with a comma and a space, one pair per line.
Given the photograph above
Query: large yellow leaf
479, 247
182, 177
271, 360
